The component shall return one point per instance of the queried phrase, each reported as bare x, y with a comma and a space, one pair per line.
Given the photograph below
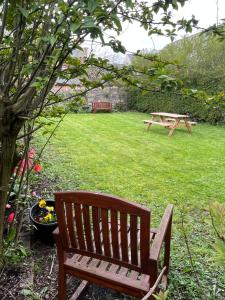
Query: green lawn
114, 153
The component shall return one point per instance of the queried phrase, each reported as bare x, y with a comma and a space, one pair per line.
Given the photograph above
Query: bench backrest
104, 227
102, 105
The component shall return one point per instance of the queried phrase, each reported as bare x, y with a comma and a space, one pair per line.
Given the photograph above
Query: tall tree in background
201, 60
38, 37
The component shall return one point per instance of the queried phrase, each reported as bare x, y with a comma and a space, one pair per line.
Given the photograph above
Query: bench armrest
160, 236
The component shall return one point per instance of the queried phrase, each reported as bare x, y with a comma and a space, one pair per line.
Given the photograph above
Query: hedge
198, 109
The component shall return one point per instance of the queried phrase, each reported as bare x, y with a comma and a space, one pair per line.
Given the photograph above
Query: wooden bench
112, 244
150, 122
181, 121
101, 105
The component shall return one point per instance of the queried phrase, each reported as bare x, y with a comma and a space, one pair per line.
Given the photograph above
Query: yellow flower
50, 208
48, 217
42, 203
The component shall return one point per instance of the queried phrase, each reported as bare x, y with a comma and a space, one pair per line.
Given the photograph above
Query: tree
201, 60
38, 37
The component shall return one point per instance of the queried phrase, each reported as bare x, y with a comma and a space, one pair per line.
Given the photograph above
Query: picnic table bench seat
165, 124
182, 121
112, 244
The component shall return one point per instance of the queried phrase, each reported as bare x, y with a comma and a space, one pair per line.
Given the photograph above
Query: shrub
200, 109
120, 106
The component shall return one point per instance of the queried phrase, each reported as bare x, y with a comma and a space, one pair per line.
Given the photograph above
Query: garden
114, 154
53, 81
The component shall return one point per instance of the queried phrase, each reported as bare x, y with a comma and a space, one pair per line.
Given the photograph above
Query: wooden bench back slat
70, 223
133, 239
115, 234
62, 221
79, 226
105, 232
87, 228
96, 229
124, 240
144, 236
105, 227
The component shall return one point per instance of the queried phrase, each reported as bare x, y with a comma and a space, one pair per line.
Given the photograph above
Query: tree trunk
8, 144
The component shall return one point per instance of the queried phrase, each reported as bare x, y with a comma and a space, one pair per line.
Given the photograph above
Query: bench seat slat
165, 124
94, 272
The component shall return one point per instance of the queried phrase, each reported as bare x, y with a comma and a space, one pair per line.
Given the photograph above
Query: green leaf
23, 11
89, 23
23, 251
74, 26
188, 28
26, 292
92, 5
174, 4
44, 290
116, 21
50, 39
11, 235
129, 3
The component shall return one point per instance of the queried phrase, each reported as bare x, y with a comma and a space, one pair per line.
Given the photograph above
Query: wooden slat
79, 226
115, 234
165, 124
62, 224
124, 241
144, 242
103, 265
113, 268
123, 271
105, 232
70, 223
134, 274
96, 229
87, 228
133, 239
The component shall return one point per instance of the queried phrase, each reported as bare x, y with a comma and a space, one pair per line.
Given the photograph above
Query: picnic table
170, 120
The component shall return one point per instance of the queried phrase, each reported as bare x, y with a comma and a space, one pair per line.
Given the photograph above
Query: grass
113, 153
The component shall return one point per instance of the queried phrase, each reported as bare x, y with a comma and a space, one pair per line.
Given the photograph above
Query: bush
199, 109
120, 106
75, 105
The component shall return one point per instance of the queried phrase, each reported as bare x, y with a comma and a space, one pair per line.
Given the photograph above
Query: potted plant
43, 217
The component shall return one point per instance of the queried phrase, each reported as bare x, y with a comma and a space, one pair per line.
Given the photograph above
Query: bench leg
188, 125
149, 125
174, 127
62, 285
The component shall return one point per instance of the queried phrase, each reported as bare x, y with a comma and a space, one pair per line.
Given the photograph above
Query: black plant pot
43, 231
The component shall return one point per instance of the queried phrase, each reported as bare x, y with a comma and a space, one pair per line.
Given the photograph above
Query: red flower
37, 168
28, 162
11, 217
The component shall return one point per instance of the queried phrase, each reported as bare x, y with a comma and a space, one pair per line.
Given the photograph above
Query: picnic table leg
162, 119
188, 125
149, 125
174, 127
